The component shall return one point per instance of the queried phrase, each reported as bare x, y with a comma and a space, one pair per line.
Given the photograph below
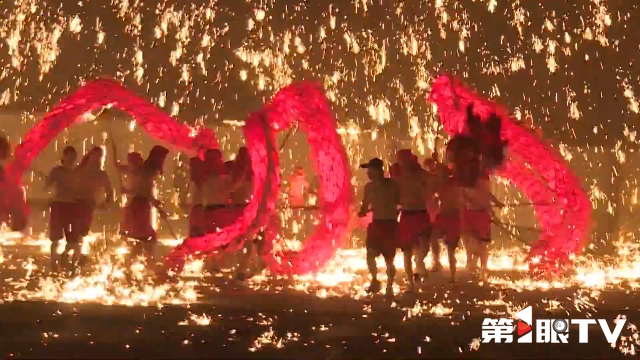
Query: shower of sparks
565, 68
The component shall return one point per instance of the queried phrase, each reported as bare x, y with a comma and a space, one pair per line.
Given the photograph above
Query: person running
142, 202
62, 207
448, 219
298, 187
415, 225
252, 249
381, 197
126, 173
217, 191
477, 222
91, 180
436, 170
14, 210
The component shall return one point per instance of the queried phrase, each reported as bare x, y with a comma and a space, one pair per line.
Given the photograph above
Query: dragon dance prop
301, 103
561, 206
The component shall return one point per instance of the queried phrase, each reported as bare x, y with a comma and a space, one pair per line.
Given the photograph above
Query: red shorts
448, 226
477, 223
196, 221
414, 226
382, 237
138, 220
216, 217
83, 219
61, 219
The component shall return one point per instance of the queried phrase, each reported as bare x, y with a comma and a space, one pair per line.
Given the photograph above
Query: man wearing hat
381, 197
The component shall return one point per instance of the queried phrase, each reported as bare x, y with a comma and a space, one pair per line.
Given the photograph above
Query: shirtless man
448, 219
415, 226
381, 197
126, 172
63, 203
91, 180
477, 222
141, 204
217, 191
13, 207
298, 186
436, 170
243, 173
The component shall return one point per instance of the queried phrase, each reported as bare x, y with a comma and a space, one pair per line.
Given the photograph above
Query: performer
140, 207
62, 207
436, 170
90, 180
477, 222
195, 197
217, 191
243, 173
473, 157
298, 186
13, 206
415, 226
126, 173
381, 197
448, 219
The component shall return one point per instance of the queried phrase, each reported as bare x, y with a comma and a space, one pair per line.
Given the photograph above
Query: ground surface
232, 320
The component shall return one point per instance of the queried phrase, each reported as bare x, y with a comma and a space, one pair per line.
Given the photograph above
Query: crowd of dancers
218, 193
412, 210
415, 207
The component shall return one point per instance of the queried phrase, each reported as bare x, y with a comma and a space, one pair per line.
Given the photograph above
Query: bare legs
453, 263
145, 248
421, 253
373, 269
477, 250
407, 254
55, 258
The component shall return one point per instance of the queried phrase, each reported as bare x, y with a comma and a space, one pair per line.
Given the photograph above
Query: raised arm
116, 163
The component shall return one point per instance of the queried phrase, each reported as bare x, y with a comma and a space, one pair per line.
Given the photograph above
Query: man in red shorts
477, 222
448, 219
63, 205
382, 197
91, 180
415, 225
140, 207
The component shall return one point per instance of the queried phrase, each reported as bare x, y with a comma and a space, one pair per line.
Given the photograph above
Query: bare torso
383, 197
90, 183
63, 181
217, 190
415, 190
242, 194
450, 196
478, 197
196, 196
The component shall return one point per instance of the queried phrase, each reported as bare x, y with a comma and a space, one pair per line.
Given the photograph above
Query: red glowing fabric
561, 206
264, 161
308, 105
94, 95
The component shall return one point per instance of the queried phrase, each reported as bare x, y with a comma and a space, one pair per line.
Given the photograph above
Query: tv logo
555, 331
